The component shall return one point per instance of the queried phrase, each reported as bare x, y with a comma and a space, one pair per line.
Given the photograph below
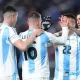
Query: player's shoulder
23, 33
47, 33
6, 28
76, 36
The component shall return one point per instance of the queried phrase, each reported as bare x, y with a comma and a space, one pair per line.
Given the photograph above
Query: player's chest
73, 42
71, 46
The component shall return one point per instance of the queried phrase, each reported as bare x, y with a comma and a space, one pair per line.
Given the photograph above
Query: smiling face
78, 20
72, 22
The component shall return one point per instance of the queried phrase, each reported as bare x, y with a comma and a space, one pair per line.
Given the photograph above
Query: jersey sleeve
13, 35
59, 40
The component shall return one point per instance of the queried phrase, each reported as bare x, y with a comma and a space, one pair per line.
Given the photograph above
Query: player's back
6, 52
68, 58
36, 60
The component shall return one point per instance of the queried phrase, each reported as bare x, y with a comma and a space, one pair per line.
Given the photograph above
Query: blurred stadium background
54, 8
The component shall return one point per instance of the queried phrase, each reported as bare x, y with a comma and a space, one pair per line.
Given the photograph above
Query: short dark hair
34, 15
78, 13
9, 9
69, 15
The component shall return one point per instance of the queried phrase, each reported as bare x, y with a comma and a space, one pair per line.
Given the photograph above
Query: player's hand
38, 32
46, 23
63, 21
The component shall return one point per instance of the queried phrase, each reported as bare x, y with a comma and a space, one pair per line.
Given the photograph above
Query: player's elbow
22, 47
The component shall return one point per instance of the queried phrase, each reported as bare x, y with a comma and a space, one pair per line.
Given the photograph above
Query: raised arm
62, 39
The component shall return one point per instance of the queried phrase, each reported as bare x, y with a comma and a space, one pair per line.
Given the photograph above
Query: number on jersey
66, 50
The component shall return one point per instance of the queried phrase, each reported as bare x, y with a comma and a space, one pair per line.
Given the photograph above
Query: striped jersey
35, 59
8, 36
67, 59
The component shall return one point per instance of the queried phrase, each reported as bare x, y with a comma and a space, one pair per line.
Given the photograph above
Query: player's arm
62, 39
77, 31
58, 40
58, 33
23, 45
64, 24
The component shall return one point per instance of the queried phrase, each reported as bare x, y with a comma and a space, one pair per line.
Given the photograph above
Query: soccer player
9, 39
77, 31
67, 57
78, 20
35, 65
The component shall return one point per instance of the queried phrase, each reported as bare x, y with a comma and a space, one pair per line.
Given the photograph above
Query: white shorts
38, 78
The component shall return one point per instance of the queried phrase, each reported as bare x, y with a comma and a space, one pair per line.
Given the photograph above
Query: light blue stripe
31, 65
5, 38
14, 77
56, 63
66, 62
21, 58
31, 62
43, 40
77, 56
15, 61
66, 77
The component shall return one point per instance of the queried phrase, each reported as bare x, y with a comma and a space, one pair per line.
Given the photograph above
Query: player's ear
13, 15
37, 22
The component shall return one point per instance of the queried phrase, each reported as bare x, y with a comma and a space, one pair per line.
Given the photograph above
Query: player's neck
7, 22
70, 33
32, 27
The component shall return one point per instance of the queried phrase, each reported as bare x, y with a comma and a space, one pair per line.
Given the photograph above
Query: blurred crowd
54, 8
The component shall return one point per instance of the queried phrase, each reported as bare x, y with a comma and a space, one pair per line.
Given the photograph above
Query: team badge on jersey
66, 73
73, 41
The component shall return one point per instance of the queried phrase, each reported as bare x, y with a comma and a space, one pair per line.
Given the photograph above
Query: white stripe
61, 65
72, 77
73, 44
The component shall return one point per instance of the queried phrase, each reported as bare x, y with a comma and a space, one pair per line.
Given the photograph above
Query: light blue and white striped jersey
7, 51
67, 59
35, 60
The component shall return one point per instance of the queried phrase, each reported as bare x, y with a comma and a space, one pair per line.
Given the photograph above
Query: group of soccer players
33, 45
67, 57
